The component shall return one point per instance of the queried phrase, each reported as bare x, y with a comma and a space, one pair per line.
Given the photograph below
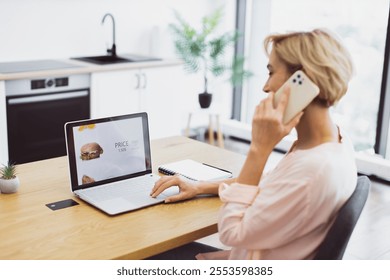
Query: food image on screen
124, 150
91, 151
87, 180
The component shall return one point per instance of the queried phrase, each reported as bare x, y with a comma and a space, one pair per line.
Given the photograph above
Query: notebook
195, 170
110, 163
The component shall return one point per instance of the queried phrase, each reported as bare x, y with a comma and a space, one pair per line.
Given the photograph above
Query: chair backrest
336, 240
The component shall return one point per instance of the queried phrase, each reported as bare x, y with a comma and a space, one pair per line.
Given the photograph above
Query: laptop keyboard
135, 187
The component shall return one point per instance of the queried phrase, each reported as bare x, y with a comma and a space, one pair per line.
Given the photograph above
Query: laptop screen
108, 149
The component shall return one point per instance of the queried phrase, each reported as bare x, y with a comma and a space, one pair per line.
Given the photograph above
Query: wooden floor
371, 237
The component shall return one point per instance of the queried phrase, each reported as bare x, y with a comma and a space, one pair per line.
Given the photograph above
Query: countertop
82, 67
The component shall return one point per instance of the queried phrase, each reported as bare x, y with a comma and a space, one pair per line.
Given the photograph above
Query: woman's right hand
268, 128
187, 188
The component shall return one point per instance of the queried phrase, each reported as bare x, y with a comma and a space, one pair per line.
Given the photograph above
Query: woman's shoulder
323, 160
328, 151
319, 155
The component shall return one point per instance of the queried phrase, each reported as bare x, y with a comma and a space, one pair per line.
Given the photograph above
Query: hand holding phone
302, 92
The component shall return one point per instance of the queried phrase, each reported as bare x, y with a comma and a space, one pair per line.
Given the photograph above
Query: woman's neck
316, 127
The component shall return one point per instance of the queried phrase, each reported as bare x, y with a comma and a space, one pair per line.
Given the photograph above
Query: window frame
239, 50
383, 119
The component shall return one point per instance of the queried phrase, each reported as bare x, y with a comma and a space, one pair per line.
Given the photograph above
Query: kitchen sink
111, 59
103, 59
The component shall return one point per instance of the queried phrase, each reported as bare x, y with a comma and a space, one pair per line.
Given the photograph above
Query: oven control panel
49, 83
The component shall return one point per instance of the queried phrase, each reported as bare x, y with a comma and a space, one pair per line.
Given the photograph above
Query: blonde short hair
320, 55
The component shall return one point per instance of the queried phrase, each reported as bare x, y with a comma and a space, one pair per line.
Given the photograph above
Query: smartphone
302, 92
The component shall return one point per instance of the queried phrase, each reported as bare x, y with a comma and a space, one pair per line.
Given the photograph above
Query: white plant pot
9, 186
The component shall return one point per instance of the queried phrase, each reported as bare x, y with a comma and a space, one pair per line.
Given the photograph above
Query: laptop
110, 163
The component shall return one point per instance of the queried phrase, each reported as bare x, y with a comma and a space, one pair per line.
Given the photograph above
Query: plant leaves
238, 74
211, 22
199, 50
219, 45
218, 68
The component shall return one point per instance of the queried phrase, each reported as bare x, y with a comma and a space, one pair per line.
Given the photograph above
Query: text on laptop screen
105, 150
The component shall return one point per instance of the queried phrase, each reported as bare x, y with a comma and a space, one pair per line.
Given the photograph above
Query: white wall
51, 29
42, 29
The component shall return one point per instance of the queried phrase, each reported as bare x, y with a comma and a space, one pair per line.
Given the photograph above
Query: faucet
111, 51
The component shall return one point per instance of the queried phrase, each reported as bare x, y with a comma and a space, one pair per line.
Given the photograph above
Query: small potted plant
205, 50
9, 182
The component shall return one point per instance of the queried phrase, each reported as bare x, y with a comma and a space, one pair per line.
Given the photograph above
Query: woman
286, 213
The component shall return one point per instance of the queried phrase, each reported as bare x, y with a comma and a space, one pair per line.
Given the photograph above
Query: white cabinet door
166, 93
167, 98
115, 93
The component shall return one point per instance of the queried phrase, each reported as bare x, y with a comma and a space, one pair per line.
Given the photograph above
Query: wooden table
30, 230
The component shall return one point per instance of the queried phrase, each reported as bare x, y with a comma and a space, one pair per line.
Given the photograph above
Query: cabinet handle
45, 98
138, 81
145, 81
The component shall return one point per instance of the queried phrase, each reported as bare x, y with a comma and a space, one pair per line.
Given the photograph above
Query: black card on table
62, 204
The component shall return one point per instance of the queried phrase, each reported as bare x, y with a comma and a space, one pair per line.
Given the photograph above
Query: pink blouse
288, 215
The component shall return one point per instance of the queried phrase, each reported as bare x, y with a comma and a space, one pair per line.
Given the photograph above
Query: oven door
36, 123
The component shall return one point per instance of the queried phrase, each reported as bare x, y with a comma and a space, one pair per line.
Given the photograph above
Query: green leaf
219, 45
8, 171
218, 67
238, 73
211, 22
191, 65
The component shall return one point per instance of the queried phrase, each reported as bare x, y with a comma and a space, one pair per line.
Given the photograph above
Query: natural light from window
362, 25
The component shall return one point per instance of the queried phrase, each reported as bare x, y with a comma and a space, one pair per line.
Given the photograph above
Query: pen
217, 168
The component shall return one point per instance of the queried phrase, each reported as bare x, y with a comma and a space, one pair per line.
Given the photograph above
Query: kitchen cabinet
167, 98
114, 93
165, 93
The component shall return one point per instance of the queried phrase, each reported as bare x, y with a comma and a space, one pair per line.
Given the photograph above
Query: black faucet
111, 51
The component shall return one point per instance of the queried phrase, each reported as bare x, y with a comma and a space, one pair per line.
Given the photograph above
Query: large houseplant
205, 50
9, 182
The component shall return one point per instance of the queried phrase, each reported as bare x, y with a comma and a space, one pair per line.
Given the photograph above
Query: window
361, 24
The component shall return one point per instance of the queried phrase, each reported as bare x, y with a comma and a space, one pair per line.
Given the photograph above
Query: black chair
336, 240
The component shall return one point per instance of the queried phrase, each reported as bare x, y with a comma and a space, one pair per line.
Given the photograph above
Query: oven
37, 110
